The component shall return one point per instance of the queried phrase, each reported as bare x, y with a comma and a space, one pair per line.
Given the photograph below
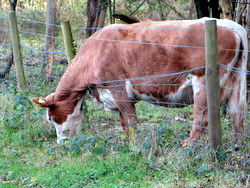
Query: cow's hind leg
200, 121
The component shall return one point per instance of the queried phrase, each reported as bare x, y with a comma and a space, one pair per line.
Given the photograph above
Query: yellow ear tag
41, 101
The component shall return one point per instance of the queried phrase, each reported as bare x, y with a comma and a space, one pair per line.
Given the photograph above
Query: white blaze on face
71, 127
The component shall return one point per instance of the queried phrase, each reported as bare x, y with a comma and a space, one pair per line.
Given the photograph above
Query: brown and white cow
147, 49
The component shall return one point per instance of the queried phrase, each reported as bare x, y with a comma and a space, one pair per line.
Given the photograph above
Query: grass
181, 168
102, 157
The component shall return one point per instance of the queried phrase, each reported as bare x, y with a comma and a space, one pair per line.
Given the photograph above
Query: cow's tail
238, 98
243, 68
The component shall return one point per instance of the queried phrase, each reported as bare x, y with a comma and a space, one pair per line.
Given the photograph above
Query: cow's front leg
127, 117
126, 107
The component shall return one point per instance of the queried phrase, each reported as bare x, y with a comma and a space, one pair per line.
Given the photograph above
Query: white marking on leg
196, 85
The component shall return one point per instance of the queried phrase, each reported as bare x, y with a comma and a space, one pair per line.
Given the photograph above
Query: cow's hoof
189, 142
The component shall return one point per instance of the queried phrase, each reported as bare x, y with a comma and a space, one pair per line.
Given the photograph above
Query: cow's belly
181, 98
108, 100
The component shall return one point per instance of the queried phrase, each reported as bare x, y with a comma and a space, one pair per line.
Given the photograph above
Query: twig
173, 9
137, 8
241, 2
13, 5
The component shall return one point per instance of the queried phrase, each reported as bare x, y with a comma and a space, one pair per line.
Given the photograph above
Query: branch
13, 5
137, 8
173, 9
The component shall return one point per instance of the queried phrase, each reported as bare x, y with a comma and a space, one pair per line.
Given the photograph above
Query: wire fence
32, 43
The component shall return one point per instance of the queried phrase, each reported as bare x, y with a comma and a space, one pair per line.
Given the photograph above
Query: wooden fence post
212, 83
17, 51
68, 40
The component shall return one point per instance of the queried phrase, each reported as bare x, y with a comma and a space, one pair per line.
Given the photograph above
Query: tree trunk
201, 8
110, 12
113, 11
50, 32
103, 9
96, 12
237, 12
248, 33
226, 9
214, 4
190, 9
248, 25
91, 14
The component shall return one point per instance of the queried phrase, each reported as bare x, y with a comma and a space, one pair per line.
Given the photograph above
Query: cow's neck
73, 80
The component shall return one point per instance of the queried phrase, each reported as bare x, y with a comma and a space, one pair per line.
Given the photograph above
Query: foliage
102, 157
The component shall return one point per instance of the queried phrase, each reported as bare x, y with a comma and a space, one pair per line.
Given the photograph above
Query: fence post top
210, 19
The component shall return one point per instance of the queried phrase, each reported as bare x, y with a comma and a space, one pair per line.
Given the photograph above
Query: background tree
50, 32
203, 6
6, 69
96, 13
226, 9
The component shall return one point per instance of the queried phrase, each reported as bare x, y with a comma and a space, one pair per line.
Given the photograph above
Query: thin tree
214, 5
226, 9
10, 58
50, 32
201, 8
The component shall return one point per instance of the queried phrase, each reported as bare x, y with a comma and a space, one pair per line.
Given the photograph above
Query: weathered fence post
17, 51
212, 83
68, 40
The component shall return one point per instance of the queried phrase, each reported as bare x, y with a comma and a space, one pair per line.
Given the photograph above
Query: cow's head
65, 114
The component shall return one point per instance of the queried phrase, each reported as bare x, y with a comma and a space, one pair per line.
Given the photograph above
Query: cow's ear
46, 103
40, 102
